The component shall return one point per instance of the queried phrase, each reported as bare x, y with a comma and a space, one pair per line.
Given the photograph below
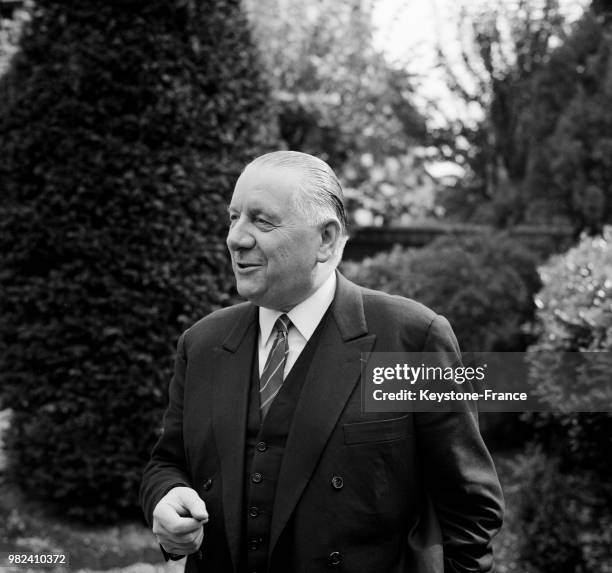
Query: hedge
123, 126
483, 284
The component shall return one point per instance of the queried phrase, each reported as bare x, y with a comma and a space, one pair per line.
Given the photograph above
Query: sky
407, 31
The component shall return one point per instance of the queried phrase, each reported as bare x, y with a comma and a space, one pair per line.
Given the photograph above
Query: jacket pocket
377, 431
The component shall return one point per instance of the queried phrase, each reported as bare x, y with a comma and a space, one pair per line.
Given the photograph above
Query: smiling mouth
245, 266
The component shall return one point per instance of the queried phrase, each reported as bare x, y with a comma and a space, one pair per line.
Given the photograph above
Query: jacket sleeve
459, 472
167, 466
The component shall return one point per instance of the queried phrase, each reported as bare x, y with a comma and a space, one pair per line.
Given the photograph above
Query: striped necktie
271, 378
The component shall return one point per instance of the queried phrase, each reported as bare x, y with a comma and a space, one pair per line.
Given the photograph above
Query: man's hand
178, 521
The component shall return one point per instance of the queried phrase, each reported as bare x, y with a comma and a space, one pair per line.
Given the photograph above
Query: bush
570, 504
123, 127
482, 284
574, 315
560, 529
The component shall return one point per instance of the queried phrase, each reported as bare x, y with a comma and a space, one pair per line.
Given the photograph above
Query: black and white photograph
306, 286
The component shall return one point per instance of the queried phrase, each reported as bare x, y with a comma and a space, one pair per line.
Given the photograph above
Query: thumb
194, 505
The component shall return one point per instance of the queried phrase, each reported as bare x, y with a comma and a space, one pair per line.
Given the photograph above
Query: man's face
273, 249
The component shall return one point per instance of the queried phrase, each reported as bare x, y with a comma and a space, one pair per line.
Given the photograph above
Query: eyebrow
254, 211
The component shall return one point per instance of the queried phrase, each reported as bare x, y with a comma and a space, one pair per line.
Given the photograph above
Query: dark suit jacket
420, 492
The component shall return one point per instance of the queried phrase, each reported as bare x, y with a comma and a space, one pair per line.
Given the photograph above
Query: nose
239, 237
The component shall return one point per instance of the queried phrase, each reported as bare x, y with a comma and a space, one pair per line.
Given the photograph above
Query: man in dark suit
267, 461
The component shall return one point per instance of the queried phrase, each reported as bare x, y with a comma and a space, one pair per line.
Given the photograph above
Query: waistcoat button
253, 511
254, 543
334, 558
261, 446
207, 484
337, 482
256, 477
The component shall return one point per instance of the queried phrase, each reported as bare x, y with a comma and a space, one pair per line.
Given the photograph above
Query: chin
248, 292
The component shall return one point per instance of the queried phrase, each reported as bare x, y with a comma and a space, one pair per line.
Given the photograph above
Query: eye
233, 217
263, 223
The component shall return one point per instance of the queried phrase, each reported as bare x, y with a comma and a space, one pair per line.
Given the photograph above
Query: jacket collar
347, 310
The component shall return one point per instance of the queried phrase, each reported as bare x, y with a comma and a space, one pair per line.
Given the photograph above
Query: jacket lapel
330, 382
230, 403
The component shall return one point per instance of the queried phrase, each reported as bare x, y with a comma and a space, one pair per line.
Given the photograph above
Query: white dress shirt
305, 318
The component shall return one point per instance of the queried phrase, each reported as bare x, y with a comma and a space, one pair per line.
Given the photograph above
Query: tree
504, 47
339, 98
540, 153
124, 126
579, 151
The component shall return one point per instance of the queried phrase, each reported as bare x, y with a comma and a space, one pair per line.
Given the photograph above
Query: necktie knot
283, 322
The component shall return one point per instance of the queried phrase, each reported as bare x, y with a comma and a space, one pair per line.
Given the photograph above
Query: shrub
574, 315
123, 127
560, 529
482, 284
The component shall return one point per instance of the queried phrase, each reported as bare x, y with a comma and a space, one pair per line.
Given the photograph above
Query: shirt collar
304, 316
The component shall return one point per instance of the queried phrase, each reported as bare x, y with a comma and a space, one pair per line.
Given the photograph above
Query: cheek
282, 253
286, 263
293, 256
297, 258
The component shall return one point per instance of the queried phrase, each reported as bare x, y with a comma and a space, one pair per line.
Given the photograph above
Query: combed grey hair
321, 198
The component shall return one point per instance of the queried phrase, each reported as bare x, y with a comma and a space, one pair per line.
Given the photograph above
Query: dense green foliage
123, 127
482, 284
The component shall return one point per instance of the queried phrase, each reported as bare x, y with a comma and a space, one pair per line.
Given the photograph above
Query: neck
321, 274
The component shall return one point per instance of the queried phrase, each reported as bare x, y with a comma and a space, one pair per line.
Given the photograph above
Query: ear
329, 237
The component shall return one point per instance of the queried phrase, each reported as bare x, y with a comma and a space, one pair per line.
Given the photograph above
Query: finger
187, 539
165, 514
177, 527
189, 503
